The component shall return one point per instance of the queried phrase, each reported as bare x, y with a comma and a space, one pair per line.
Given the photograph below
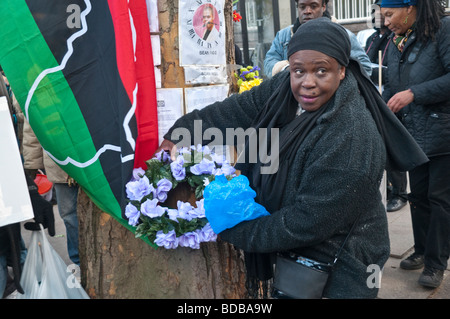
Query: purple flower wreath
185, 226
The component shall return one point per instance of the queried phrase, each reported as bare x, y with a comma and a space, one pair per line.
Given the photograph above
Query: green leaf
202, 222
199, 191
187, 159
195, 180
185, 226
141, 230
153, 165
198, 156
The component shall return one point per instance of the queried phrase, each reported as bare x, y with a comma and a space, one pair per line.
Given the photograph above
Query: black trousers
398, 183
430, 210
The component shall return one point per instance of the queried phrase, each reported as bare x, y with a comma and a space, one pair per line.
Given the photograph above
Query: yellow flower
247, 85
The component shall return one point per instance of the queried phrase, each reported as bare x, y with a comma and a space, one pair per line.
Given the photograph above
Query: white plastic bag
45, 274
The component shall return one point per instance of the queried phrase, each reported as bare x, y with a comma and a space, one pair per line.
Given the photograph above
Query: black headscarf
327, 37
333, 41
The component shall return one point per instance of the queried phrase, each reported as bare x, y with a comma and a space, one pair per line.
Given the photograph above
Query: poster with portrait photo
202, 32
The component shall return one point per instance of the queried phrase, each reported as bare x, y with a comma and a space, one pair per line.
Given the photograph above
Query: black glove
31, 173
43, 210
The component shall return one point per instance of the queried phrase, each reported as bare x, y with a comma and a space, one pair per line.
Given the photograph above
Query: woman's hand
168, 146
400, 100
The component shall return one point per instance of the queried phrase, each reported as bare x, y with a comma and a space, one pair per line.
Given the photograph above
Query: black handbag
298, 277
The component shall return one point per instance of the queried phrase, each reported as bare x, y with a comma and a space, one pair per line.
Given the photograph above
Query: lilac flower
206, 234
201, 149
178, 171
184, 150
168, 241
137, 174
204, 167
219, 159
190, 239
184, 210
226, 170
173, 214
206, 150
136, 190
199, 211
162, 188
151, 209
132, 214
162, 156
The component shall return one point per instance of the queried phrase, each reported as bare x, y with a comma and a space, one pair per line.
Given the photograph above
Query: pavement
396, 283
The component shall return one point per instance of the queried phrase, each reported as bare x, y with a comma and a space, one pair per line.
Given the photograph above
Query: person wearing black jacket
418, 90
380, 41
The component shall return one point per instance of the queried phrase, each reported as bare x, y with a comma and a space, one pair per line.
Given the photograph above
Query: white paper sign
205, 75
202, 32
199, 97
170, 109
157, 78
15, 203
152, 14
156, 49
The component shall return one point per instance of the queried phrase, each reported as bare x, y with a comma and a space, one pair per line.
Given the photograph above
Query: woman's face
395, 18
315, 77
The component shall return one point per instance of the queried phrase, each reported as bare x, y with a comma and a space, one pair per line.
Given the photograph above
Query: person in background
11, 243
380, 41
276, 58
66, 189
417, 89
238, 55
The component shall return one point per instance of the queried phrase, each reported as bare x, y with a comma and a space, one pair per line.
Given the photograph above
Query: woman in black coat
333, 128
418, 90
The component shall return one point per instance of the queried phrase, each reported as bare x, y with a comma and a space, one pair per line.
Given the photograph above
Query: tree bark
115, 264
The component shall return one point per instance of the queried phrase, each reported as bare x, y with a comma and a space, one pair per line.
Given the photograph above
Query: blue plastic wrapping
228, 203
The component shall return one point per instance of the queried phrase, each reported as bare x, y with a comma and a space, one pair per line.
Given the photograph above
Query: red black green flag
82, 72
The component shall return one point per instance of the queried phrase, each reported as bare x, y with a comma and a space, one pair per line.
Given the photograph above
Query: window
352, 10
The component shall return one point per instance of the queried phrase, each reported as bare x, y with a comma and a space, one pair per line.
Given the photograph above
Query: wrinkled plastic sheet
45, 275
228, 203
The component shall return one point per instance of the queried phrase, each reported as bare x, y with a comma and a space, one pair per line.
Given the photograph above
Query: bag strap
346, 238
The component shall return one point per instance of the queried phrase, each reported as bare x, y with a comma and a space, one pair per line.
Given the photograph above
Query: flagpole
380, 71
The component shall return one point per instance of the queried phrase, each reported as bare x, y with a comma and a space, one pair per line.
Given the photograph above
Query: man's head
310, 9
208, 17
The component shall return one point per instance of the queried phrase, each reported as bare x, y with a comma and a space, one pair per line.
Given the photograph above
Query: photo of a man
207, 22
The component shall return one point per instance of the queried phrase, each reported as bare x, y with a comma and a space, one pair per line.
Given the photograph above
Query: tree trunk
115, 264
